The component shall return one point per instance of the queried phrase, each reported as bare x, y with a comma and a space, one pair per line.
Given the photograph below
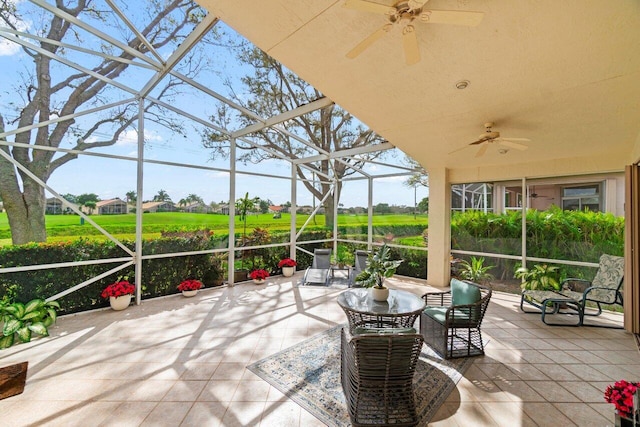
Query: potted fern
379, 267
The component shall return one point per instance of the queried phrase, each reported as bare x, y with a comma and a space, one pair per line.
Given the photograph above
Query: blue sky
114, 178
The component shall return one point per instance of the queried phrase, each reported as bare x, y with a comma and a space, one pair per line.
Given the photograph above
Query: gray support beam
293, 208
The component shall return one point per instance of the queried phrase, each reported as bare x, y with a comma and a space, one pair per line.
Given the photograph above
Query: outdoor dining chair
377, 377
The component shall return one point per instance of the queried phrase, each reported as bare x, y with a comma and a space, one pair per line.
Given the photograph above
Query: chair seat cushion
463, 293
439, 314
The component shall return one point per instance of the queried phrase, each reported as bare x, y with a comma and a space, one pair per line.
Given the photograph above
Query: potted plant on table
119, 294
288, 267
190, 287
379, 267
259, 276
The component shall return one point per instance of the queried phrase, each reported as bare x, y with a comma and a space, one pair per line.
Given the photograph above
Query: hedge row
554, 233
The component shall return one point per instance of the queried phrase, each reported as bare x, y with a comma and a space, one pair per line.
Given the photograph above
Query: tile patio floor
178, 361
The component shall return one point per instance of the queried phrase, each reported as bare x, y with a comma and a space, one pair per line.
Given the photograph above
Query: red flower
287, 262
259, 274
118, 289
621, 395
190, 285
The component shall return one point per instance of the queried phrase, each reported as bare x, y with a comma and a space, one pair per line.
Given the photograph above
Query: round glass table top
398, 303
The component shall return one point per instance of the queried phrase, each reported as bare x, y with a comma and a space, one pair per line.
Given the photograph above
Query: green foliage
541, 277
554, 233
475, 270
379, 267
21, 320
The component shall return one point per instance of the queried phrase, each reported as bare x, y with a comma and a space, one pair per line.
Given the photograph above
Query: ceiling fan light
462, 84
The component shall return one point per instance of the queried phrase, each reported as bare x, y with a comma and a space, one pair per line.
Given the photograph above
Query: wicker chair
377, 377
450, 324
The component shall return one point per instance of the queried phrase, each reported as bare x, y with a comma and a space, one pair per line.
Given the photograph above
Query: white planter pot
258, 281
120, 303
189, 294
379, 294
288, 271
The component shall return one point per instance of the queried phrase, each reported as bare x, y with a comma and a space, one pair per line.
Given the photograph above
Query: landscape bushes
554, 233
564, 235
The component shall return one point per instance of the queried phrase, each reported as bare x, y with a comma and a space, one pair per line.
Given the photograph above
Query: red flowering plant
287, 262
621, 395
259, 274
118, 289
190, 285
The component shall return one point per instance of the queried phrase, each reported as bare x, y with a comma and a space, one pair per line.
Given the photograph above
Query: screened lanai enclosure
103, 93
137, 101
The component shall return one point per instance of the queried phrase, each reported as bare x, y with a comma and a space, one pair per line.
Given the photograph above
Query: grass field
69, 227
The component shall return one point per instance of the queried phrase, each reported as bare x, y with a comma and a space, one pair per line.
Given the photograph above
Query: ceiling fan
490, 137
403, 13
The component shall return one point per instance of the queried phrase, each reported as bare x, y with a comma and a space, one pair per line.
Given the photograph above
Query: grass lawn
68, 227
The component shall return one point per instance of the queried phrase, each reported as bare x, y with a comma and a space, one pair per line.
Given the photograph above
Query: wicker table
399, 311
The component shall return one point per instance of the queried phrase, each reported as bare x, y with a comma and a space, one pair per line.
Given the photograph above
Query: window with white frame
582, 197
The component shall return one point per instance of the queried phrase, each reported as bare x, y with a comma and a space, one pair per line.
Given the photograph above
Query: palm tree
162, 196
131, 196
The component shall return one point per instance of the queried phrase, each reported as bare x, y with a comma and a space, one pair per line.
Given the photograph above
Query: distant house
55, 207
223, 208
158, 207
196, 207
597, 193
275, 209
111, 207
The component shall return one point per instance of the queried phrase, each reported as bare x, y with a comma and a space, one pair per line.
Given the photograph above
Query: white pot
191, 293
379, 294
258, 281
120, 303
288, 271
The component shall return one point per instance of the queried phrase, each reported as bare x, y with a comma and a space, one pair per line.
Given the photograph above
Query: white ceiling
565, 74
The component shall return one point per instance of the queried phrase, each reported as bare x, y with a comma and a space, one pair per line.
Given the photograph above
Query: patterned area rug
309, 374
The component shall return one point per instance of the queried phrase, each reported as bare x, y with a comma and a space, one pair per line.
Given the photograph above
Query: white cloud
7, 47
130, 137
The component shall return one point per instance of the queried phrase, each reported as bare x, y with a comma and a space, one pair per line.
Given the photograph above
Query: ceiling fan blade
368, 6
458, 149
456, 17
364, 44
511, 144
410, 44
516, 139
482, 150
480, 141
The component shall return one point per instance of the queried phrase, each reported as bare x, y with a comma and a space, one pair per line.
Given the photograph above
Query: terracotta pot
288, 271
379, 294
189, 294
120, 303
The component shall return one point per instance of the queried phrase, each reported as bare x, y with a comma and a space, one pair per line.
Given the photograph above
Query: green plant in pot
541, 277
21, 320
475, 270
379, 267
